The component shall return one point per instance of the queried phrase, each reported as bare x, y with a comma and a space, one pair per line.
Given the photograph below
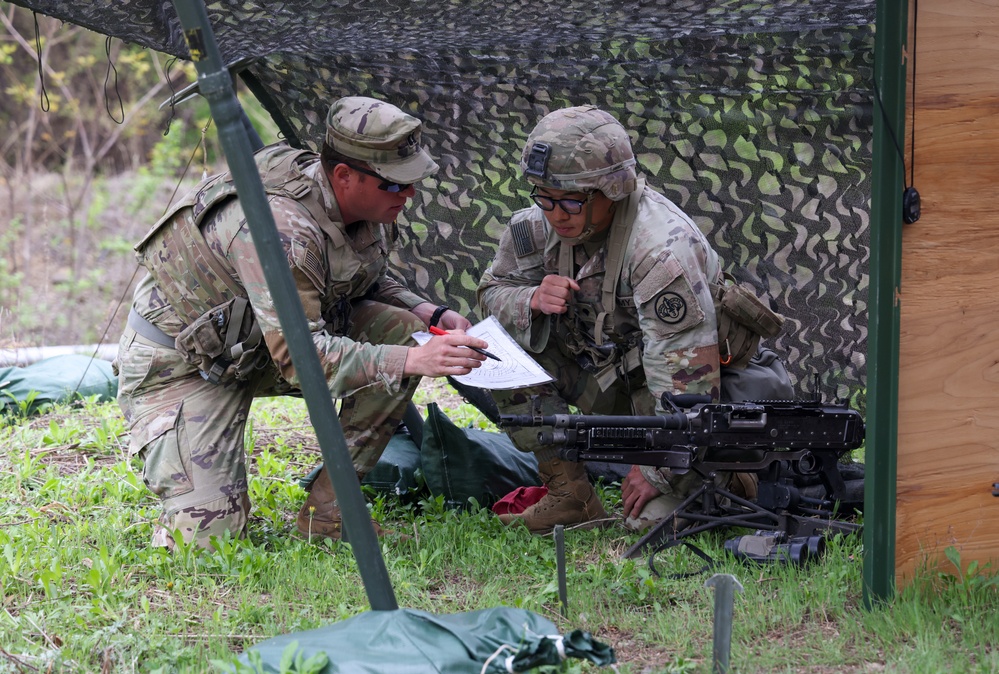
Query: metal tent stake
725, 586
559, 534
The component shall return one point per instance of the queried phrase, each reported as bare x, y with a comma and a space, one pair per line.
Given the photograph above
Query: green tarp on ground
408, 641
55, 380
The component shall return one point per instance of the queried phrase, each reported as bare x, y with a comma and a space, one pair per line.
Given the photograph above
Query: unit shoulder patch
670, 307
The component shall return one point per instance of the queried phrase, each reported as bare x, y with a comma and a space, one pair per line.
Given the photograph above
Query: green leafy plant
17, 409
292, 662
973, 583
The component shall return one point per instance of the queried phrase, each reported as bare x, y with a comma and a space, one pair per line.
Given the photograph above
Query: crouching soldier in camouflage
609, 285
203, 337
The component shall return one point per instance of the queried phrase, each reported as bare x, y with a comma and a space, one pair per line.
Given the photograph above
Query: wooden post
948, 409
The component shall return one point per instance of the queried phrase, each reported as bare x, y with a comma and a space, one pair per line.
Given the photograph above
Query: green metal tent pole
886, 273
216, 86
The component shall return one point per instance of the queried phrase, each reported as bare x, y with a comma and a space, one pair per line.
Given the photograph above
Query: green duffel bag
470, 463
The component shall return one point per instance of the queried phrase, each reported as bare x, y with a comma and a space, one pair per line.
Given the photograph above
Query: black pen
434, 330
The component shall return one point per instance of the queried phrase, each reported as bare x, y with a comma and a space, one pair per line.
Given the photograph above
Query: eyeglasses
570, 206
385, 186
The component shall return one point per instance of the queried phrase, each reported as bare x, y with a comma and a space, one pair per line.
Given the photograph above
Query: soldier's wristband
438, 312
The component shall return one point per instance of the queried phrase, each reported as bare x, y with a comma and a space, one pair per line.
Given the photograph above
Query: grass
83, 592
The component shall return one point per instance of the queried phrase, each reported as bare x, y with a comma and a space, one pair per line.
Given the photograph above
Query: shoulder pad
194, 200
211, 193
280, 169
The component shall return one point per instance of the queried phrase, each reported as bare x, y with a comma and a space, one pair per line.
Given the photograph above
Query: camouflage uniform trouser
190, 433
576, 386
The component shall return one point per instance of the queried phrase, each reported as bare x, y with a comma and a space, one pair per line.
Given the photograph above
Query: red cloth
519, 500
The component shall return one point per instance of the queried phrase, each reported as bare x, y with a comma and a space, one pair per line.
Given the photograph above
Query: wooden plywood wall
948, 422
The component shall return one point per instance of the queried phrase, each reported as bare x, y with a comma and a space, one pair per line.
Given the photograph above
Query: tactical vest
192, 277
221, 337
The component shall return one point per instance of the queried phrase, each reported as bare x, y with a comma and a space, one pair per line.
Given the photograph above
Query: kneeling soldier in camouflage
203, 337
610, 286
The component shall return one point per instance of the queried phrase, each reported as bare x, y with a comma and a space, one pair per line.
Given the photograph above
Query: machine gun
777, 440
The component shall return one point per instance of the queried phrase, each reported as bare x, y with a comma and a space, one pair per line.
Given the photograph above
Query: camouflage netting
754, 117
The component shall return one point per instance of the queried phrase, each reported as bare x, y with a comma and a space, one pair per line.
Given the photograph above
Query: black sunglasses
386, 185
570, 206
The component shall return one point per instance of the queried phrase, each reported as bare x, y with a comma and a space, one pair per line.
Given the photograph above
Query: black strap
148, 330
711, 563
438, 312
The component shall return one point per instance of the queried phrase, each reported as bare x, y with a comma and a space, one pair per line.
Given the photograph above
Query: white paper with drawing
515, 368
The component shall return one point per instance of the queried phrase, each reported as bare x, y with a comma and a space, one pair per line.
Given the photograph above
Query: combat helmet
580, 149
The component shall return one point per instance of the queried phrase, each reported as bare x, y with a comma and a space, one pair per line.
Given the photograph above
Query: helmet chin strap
589, 227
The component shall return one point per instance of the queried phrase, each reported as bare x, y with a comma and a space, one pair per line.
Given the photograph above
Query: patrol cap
382, 136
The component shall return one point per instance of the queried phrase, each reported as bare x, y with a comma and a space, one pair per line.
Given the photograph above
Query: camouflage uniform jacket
332, 263
663, 298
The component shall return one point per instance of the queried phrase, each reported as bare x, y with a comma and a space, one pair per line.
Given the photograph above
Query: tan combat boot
320, 514
745, 485
570, 501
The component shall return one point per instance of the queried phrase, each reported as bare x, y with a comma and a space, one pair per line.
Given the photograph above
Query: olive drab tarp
756, 118
59, 379
408, 641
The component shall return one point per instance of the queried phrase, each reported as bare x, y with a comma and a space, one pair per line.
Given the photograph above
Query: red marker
434, 330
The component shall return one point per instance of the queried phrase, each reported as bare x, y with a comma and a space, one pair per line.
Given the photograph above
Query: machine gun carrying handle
747, 424
748, 418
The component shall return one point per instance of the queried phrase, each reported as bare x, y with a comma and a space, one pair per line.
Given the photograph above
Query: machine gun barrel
614, 439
